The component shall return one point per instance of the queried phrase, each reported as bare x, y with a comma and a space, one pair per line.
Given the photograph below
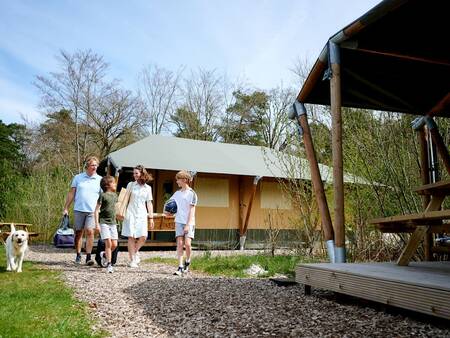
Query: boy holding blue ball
186, 200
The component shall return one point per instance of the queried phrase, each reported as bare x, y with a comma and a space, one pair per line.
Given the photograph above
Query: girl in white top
139, 213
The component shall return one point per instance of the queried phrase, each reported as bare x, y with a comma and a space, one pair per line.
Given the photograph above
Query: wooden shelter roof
396, 57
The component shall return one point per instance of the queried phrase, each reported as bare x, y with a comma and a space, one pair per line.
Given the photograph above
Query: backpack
65, 236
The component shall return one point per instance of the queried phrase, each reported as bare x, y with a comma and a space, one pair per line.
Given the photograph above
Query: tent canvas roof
396, 57
173, 153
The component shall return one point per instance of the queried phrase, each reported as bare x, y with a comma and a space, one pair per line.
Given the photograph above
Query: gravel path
151, 302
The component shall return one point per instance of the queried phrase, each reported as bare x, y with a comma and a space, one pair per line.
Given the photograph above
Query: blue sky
255, 40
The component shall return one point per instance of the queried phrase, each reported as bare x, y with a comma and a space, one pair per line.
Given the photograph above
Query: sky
255, 40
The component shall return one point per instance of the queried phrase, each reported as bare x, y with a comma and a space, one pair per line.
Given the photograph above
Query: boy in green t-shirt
105, 217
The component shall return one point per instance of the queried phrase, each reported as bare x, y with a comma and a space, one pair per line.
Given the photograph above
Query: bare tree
276, 123
73, 89
118, 116
159, 89
203, 97
102, 112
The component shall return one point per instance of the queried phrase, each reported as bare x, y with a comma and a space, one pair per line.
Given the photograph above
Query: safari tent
393, 58
238, 186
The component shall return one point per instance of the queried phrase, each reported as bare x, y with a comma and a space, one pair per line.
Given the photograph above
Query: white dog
16, 245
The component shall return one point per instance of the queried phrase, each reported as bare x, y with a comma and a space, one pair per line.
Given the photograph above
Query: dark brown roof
396, 57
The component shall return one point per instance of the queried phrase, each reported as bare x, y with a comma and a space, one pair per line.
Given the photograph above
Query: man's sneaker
78, 259
137, 258
104, 261
179, 272
133, 264
186, 266
89, 262
109, 268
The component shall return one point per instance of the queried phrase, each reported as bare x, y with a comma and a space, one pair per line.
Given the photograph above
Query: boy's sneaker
109, 268
186, 266
78, 259
89, 260
179, 272
104, 261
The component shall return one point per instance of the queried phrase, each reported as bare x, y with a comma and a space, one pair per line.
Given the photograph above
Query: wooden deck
422, 286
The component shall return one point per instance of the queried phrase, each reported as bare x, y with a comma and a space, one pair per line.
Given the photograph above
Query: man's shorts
109, 231
83, 220
179, 230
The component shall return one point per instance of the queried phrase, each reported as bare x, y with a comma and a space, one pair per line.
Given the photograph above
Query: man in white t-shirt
186, 200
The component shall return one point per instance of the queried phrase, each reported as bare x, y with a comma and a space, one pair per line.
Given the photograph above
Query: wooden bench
408, 223
431, 220
18, 226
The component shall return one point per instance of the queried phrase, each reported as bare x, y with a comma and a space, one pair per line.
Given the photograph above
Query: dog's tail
13, 228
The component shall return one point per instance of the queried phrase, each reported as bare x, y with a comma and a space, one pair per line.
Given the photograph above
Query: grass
36, 303
234, 266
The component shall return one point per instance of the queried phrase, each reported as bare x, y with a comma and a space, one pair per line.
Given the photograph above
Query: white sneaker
133, 264
179, 271
110, 269
137, 258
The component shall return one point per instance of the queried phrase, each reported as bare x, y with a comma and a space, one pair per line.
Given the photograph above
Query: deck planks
423, 287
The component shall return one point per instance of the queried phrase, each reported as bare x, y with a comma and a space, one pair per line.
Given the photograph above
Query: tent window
273, 197
212, 192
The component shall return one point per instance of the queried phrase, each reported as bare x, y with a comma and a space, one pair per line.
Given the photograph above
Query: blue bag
64, 236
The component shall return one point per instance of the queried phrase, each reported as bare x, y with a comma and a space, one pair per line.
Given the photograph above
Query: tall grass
38, 199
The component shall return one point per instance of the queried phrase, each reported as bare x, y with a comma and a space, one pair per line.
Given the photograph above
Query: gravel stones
151, 302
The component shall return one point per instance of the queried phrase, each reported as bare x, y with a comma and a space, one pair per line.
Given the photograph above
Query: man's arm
69, 199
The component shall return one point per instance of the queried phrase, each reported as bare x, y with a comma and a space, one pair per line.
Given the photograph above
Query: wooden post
336, 135
425, 178
316, 179
243, 233
298, 112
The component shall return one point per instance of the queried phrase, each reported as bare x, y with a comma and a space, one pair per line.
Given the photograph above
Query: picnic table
431, 220
19, 226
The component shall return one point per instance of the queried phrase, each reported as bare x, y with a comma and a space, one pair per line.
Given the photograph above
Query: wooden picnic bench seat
18, 226
432, 220
408, 223
438, 188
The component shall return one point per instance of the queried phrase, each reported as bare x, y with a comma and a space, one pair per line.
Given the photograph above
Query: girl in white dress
139, 213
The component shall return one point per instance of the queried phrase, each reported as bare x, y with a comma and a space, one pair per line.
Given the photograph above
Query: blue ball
171, 207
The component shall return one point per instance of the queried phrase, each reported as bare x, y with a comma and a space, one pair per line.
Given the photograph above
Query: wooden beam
412, 245
405, 57
317, 183
420, 233
336, 135
250, 204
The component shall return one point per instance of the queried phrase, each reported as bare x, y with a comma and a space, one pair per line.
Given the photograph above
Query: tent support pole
243, 234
